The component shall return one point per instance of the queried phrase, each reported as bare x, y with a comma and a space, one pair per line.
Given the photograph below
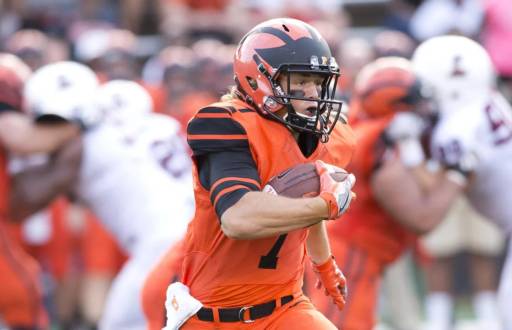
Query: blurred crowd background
181, 52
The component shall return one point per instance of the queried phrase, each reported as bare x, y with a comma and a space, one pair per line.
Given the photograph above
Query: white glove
405, 125
404, 131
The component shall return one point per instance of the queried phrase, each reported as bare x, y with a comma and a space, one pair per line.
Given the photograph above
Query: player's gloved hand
333, 281
405, 125
337, 194
404, 133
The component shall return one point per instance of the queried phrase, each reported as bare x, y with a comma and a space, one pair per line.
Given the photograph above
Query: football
299, 181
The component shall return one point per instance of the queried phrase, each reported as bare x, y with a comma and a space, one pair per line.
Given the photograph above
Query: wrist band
331, 205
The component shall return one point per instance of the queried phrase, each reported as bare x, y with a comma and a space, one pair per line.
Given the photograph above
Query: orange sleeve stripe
232, 178
213, 115
217, 137
227, 190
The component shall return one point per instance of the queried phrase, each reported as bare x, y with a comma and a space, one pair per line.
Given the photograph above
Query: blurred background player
473, 130
27, 191
388, 146
103, 259
168, 270
134, 175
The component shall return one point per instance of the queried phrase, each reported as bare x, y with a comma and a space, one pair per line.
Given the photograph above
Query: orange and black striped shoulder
214, 129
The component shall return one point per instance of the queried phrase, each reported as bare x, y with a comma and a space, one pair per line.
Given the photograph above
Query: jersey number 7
269, 261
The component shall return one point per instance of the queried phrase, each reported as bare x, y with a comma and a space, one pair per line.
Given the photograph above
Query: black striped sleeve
213, 130
228, 175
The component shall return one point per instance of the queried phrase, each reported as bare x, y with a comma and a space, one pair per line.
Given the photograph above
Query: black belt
236, 314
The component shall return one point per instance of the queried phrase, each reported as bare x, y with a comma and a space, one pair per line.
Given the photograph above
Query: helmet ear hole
286, 28
252, 83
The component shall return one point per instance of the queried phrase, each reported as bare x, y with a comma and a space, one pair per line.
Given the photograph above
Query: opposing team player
245, 249
135, 173
473, 134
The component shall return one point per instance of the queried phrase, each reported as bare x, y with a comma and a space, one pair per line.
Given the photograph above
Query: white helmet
454, 70
124, 98
63, 89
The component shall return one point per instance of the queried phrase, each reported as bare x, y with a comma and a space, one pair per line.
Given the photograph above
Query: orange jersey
224, 272
100, 251
366, 224
20, 301
56, 254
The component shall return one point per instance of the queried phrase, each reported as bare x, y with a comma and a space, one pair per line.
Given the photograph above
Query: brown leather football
299, 181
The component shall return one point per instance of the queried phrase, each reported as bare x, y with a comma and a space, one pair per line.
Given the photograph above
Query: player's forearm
317, 243
423, 211
415, 207
20, 135
34, 189
259, 214
425, 178
49, 138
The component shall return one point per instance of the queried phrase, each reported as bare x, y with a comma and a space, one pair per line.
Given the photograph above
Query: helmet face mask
266, 60
316, 119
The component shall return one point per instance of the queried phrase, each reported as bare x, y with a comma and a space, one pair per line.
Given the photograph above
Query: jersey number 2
269, 261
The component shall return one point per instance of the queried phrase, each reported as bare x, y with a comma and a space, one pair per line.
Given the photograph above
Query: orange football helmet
284, 46
385, 86
13, 74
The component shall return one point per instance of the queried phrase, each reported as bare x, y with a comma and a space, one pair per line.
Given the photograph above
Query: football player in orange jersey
386, 218
245, 249
23, 194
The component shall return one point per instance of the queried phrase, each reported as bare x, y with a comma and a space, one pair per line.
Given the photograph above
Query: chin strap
291, 119
296, 119
302, 123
